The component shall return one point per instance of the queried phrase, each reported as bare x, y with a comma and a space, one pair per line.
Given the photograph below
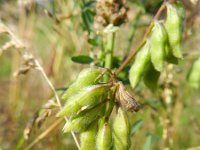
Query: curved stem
134, 51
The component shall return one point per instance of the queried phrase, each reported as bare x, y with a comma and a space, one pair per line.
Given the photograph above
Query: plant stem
45, 133
108, 44
134, 51
39, 67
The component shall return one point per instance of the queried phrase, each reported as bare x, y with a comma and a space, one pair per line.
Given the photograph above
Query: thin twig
44, 134
39, 67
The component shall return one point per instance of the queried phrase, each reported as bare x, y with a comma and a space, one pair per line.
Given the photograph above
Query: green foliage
97, 102
135, 127
147, 145
82, 59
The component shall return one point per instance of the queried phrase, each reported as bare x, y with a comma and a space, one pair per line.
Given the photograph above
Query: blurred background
54, 31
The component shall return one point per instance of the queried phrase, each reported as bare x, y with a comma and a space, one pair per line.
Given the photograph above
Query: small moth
125, 99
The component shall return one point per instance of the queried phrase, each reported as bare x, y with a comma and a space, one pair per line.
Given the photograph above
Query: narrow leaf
82, 59
147, 145
136, 126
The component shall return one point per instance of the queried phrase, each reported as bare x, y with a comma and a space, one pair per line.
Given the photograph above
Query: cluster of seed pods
89, 104
162, 45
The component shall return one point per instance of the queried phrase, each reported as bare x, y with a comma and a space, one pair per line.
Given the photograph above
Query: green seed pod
173, 26
87, 97
181, 9
158, 40
85, 78
88, 138
121, 131
169, 56
139, 65
104, 136
81, 122
194, 75
151, 77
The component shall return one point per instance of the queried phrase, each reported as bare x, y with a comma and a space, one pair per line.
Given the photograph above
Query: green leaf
93, 41
136, 126
147, 145
82, 59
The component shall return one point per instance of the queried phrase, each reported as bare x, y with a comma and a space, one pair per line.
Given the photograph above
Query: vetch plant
97, 91
90, 100
98, 104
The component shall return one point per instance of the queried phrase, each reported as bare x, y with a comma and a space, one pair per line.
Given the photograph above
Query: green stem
109, 46
107, 49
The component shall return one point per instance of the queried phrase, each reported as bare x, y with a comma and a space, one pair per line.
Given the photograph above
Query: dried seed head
125, 99
110, 12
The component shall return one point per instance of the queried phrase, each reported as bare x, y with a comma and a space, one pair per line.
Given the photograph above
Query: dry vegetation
37, 40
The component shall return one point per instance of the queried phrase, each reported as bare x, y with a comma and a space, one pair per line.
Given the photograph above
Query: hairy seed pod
158, 40
87, 97
104, 136
125, 100
88, 138
194, 75
181, 9
121, 131
85, 78
139, 65
81, 122
173, 26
